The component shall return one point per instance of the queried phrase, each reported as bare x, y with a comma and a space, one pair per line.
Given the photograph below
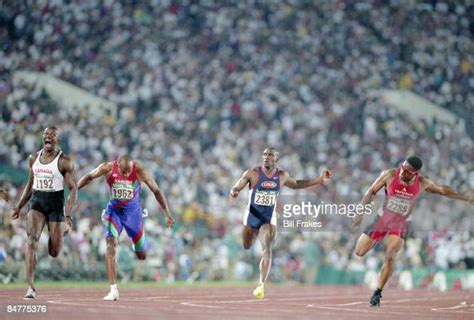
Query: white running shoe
113, 295
30, 294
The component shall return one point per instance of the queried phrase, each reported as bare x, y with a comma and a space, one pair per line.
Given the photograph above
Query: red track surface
281, 302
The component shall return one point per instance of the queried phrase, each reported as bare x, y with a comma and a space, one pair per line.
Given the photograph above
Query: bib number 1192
44, 184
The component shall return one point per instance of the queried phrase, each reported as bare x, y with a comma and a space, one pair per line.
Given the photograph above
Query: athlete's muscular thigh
267, 234
364, 244
248, 236
55, 237
394, 245
35, 222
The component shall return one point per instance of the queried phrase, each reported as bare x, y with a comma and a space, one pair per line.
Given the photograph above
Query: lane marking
462, 304
350, 303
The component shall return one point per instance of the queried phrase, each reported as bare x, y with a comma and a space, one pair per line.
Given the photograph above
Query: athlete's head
410, 168
125, 165
270, 157
50, 138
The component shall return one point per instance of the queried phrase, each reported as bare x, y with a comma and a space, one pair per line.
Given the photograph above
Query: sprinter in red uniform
402, 187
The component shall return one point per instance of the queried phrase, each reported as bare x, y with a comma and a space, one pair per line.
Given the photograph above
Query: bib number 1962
122, 194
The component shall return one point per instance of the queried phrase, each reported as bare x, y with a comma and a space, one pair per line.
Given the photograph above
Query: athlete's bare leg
364, 244
35, 222
248, 236
55, 242
111, 259
267, 236
394, 245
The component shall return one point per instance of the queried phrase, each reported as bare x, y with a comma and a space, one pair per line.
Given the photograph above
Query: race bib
43, 183
399, 205
265, 198
122, 192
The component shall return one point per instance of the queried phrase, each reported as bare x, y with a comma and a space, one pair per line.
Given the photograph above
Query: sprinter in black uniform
49, 170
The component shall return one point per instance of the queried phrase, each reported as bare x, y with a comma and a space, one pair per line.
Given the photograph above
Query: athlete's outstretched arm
431, 187
70, 180
369, 195
302, 184
27, 192
146, 177
243, 181
102, 169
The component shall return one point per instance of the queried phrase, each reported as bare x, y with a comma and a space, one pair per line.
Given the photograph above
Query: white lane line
243, 303
420, 299
112, 304
371, 310
191, 304
350, 303
150, 298
462, 304
336, 305
339, 307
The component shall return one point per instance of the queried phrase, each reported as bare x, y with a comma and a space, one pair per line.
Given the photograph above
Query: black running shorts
51, 204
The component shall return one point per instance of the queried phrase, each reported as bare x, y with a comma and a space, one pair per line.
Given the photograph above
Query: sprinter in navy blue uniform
265, 183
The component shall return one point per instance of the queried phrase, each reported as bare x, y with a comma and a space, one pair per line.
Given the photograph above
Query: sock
378, 290
113, 287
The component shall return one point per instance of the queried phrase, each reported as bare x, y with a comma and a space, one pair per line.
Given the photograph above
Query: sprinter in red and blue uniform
124, 210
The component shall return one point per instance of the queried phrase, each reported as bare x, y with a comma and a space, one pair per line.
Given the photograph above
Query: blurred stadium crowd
202, 87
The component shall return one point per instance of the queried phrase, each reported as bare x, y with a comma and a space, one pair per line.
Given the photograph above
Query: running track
281, 302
